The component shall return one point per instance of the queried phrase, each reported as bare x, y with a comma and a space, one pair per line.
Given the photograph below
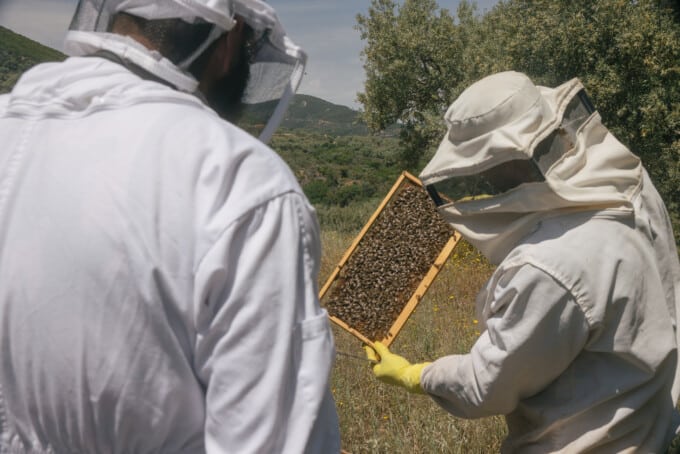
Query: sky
324, 28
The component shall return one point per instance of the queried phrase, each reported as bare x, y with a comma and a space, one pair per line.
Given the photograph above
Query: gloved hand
394, 369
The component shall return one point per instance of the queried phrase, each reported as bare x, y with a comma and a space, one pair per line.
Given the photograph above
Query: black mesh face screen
563, 139
89, 15
489, 183
510, 174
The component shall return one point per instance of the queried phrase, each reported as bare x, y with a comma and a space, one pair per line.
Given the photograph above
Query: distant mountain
313, 114
18, 53
308, 112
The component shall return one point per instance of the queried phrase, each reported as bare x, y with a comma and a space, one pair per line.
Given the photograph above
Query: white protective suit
579, 347
158, 276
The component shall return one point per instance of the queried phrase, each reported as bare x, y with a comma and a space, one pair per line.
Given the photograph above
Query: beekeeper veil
516, 153
275, 64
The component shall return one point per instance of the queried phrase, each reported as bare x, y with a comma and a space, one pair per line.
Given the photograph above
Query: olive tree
419, 57
410, 74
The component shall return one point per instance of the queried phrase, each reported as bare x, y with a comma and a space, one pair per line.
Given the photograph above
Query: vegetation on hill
17, 54
309, 113
314, 114
340, 171
27, 48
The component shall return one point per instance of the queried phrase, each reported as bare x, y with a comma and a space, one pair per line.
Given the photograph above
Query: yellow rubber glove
394, 369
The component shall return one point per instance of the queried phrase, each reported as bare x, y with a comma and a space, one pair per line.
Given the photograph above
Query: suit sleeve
264, 348
534, 331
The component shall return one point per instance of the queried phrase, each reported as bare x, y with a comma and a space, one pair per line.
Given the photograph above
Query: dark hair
174, 38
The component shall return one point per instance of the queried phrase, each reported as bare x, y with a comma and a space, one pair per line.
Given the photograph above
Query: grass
378, 418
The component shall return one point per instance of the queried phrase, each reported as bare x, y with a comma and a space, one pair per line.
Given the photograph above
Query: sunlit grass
377, 418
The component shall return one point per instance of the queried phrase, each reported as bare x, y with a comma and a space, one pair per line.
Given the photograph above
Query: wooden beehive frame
421, 289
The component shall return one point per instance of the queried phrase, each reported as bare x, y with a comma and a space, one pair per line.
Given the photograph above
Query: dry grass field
377, 418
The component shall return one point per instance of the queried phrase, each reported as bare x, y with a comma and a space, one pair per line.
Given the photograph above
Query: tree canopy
419, 57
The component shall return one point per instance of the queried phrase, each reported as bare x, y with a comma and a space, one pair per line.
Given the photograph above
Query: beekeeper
579, 348
158, 264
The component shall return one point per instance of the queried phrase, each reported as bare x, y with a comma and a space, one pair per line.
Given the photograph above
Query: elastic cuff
412, 378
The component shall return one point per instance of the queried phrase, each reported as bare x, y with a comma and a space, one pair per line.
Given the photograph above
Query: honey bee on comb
388, 264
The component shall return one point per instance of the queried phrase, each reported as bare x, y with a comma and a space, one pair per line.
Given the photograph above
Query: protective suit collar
502, 118
79, 86
87, 43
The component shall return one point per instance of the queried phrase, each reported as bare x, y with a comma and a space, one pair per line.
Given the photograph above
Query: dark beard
226, 95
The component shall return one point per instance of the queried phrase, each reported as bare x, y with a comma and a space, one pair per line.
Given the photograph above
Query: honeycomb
389, 262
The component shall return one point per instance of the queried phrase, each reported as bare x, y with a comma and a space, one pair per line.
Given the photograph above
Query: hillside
17, 54
339, 170
310, 113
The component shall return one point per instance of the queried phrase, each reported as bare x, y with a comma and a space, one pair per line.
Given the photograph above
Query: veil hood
506, 117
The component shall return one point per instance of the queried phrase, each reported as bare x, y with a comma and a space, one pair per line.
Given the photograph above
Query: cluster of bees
389, 263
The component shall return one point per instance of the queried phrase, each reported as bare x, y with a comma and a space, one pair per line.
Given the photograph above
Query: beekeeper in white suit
579, 348
158, 265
